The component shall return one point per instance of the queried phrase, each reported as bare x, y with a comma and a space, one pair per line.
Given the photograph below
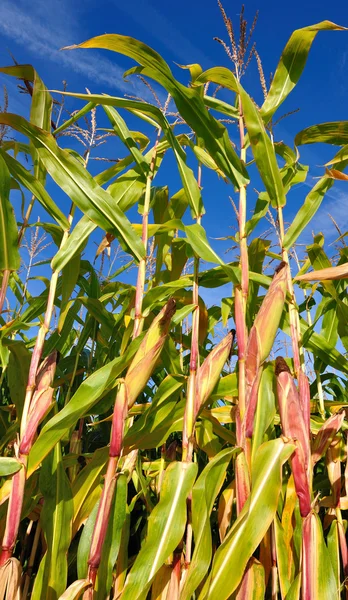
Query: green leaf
125, 135
55, 519
341, 156
328, 133
17, 373
112, 540
166, 526
221, 106
188, 179
260, 210
197, 237
36, 188
291, 65
41, 103
9, 466
88, 479
189, 102
307, 211
252, 523
40, 110
9, 253
70, 175
282, 557
143, 433
317, 564
204, 493
75, 243
333, 547
265, 409
261, 145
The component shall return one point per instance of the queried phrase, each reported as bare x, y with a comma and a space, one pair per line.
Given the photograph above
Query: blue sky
183, 33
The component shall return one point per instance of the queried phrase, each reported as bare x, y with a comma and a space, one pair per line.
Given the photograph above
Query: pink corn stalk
41, 402
136, 378
110, 482
294, 426
308, 556
189, 417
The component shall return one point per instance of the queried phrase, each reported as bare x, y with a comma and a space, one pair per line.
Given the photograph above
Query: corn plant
143, 454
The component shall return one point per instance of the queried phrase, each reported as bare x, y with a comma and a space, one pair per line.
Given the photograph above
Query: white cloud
47, 26
336, 205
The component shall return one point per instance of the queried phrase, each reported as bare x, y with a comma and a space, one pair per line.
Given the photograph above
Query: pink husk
118, 421
293, 426
325, 436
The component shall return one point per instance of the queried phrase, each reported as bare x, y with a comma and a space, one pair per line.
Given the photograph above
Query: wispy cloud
336, 205
43, 30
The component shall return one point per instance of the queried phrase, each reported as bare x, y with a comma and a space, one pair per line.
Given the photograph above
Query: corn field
155, 446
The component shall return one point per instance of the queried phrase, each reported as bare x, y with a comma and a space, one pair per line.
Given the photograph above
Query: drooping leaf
291, 65
188, 101
260, 142
70, 175
328, 133
307, 211
36, 188
9, 466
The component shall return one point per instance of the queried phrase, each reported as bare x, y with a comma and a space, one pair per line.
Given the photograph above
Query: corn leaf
9, 466
307, 211
261, 145
335, 133
9, 253
55, 519
70, 175
291, 65
252, 523
188, 101
204, 493
166, 527
90, 391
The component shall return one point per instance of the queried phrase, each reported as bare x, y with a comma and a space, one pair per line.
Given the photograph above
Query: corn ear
210, 370
326, 435
293, 426
148, 353
266, 323
40, 403
260, 342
